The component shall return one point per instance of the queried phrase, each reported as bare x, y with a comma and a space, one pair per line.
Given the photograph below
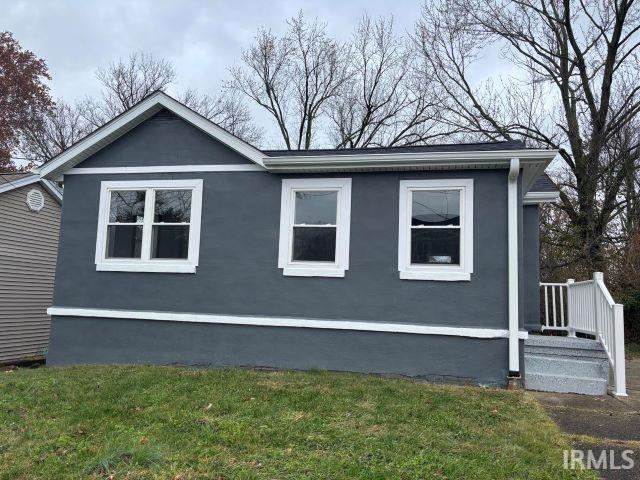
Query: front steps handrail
588, 307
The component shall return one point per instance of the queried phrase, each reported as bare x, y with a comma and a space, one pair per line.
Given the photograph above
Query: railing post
571, 331
619, 374
596, 317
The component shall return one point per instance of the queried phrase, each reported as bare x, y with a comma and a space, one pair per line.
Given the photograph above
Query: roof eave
22, 182
533, 162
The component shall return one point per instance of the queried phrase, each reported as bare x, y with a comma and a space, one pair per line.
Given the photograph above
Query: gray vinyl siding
28, 249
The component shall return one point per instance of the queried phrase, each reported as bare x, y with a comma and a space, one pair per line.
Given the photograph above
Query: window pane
172, 206
316, 208
124, 241
314, 244
170, 241
127, 206
435, 207
435, 245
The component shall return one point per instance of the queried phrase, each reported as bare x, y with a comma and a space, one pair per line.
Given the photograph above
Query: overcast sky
201, 38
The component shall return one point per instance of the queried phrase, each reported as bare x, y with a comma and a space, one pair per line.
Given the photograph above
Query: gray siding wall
164, 139
238, 275
28, 247
108, 340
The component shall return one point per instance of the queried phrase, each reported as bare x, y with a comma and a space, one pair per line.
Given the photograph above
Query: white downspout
514, 354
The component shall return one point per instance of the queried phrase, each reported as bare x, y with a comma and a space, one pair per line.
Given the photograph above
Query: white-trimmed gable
133, 117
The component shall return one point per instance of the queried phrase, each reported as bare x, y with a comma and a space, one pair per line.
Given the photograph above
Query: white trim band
284, 322
165, 169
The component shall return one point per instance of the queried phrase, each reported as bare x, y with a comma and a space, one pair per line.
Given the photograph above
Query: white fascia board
22, 182
418, 160
133, 117
52, 189
472, 332
532, 198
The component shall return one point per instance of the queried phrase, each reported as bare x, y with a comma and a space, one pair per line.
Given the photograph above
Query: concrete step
566, 352
565, 365
564, 342
553, 364
564, 347
565, 384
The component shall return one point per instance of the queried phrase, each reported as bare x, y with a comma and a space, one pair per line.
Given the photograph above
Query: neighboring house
182, 244
30, 211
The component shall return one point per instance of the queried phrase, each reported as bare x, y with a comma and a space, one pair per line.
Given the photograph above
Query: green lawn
176, 423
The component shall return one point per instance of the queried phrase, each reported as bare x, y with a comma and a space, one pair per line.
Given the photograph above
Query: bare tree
125, 83
579, 88
228, 110
385, 102
54, 132
293, 78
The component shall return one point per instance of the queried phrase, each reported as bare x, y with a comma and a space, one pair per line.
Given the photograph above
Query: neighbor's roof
544, 184
429, 157
12, 180
9, 177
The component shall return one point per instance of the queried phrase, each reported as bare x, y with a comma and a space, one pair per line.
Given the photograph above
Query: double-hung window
436, 230
149, 226
314, 227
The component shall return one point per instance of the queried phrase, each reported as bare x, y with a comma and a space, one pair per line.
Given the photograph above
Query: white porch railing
588, 307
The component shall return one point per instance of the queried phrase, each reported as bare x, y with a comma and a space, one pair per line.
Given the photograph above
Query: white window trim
153, 265
343, 219
460, 272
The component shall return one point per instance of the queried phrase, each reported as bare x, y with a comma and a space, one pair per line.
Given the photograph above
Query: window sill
313, 272
146, 267
435, 275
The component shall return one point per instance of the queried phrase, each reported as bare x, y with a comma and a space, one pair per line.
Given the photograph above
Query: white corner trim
132, 117
449, 273
165, 169
533, 198
145, 263
512, 218
470, 332
343, 227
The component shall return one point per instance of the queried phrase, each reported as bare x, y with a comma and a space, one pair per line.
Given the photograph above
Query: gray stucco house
30, 210
182, 244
